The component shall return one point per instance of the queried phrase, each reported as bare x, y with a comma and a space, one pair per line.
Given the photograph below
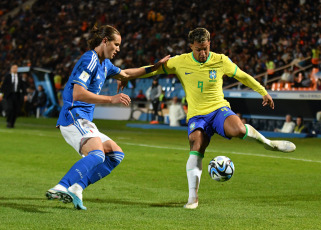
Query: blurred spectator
287, 76
288, 125
270, 67
13, 92
57, 80
299, 127
316, 55
25, 80
25, 85
279, 61
162, 100
141, 97
41, 101
152, 94
319, 84
30, 104
176, 112
318, 116
302, 80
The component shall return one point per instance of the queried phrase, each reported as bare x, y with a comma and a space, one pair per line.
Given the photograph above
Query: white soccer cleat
77, 201
59, 192
191, 205
76, 189
283, 146
63, 196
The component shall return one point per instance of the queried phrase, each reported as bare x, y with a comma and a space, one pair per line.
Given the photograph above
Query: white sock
194, 172
60, 188
252, 133
77, 190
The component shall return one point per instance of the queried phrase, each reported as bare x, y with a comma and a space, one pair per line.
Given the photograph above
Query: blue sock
80, 169
111, 161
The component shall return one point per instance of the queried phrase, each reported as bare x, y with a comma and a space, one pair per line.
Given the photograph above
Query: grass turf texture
269, 190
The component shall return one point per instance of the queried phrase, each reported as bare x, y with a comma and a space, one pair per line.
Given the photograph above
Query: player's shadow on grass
138, 203
19, 203
9, 203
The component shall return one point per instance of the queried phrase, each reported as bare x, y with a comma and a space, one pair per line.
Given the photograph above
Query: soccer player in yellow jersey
201, 74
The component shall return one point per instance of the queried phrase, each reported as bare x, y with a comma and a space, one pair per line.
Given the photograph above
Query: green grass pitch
269, 190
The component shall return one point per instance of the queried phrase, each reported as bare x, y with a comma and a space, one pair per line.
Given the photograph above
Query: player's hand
121, 98
160, 62
267, 100
121, 85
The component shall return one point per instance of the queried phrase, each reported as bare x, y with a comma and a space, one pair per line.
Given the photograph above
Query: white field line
212, 151
37, 133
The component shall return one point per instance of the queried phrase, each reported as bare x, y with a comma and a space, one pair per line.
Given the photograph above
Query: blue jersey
90, 74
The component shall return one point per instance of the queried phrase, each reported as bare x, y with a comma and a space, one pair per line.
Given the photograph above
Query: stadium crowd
52, 34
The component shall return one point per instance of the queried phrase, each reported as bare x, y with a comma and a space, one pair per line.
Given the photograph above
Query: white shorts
77, 133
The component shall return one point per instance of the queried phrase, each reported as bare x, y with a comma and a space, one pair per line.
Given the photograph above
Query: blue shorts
211, 123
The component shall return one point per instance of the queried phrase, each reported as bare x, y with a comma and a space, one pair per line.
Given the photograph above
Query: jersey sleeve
229, 67
85, 70
111, 69
249, 81
169, 67
232, 70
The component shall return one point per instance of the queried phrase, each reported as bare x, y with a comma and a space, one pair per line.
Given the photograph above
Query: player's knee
238, 130
111, 146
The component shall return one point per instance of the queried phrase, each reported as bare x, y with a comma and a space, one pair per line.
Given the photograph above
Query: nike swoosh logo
226, 114
188, 73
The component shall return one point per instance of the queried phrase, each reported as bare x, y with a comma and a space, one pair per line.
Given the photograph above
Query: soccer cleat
283, 146
191, 205
63, 196
77, 202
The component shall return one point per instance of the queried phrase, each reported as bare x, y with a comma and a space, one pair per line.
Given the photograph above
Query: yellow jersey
203, 82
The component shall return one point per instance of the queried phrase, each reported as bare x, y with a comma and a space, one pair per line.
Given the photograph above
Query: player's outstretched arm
129, 74
249, 81
81, 94
133, 73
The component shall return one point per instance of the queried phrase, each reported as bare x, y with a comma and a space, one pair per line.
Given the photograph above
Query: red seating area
288, 86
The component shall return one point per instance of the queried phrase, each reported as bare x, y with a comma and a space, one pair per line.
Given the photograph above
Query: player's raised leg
198, 143
233, 127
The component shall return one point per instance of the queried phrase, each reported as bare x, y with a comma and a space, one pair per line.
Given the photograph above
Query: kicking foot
191, 204
63, 196
283, 146
77, 202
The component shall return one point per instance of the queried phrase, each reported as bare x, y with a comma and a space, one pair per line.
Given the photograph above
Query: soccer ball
221, 168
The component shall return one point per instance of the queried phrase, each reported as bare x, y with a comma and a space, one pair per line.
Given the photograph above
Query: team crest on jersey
192, 126
212, 75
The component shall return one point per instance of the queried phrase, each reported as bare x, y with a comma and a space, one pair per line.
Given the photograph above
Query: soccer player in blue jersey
100, 153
